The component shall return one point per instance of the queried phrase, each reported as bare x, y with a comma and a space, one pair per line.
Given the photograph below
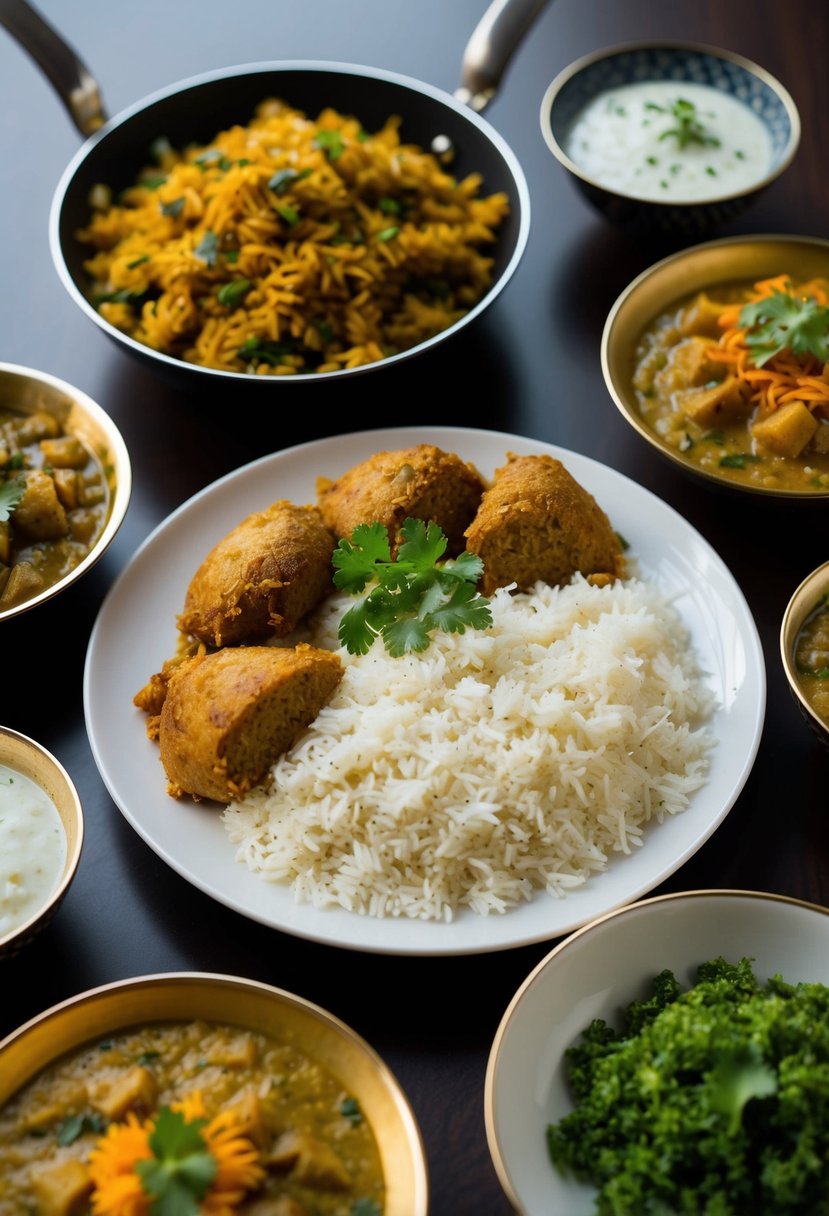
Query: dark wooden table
530, 366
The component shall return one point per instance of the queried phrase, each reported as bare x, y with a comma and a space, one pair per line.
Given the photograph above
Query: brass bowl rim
755, 69
419, 1198
123, 478
798, 608
631, 416
73, 856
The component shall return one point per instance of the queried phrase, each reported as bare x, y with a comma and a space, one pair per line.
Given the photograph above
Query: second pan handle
491, 47
74, 83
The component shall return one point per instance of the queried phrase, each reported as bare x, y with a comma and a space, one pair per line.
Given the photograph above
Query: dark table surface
529, 366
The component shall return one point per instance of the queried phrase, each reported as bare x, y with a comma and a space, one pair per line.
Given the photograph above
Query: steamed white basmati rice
492, 765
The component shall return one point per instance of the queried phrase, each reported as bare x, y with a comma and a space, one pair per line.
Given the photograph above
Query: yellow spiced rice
291, 245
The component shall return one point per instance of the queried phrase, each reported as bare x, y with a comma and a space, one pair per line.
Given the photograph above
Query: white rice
493, 765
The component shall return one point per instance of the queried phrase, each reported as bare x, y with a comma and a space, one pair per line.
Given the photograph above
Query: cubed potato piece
238, 1053
135, 1090
33, 427
251, 1115
721, 403
787, 431
83, 525
701, 316
309, 1162
65, 452
688, 366
22, 583
39, 514
62, 1189
67, 488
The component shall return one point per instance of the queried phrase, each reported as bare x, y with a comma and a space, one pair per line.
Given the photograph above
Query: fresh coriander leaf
231, 256
354, 560
181, 1169
467, 565
208, 248
389, 206
406, 635
387, 234
261, 350
350, 1108
283, 179
364, 1207
689, 129
152, 183
74, 1126
174, 208
416, 594
716, 437
11, 493
423, 545
463, 608
738, 460
138, 262
147, 1057
331, 143
289, 214
783, 321
233, 293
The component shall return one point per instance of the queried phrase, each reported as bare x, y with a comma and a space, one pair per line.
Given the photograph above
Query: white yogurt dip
670, 141
32, 849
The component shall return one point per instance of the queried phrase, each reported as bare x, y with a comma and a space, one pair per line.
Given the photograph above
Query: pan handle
490, 48
75, 85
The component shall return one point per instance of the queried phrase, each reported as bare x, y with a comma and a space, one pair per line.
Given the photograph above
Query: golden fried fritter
536, 523
228, 716
260, 579
423, 482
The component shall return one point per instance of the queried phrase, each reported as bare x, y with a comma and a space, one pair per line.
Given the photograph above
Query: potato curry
812, 659
737, 383
54, 503
264, 1129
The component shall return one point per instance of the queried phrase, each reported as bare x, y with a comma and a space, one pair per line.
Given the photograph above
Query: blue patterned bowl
686, 63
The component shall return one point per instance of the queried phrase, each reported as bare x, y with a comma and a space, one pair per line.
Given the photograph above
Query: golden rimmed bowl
32, 760
680, 63
674, 279
28, 391
812, 592
596, 973
249, 1005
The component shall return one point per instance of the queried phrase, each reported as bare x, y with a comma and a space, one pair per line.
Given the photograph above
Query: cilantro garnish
181, 1169
289, 214
350, 1109
331, 143
688, 129
261, 350
388, 233
283, 179
782, 321
234, 292
415, 594
208, 248
174, 208
11, 493
74, 1126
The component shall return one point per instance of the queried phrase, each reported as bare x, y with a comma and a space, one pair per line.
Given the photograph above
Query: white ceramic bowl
594, 974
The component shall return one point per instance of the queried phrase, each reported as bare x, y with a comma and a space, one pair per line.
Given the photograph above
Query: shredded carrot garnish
785, 377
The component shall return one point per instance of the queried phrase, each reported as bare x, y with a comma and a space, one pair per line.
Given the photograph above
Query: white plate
135, 632
595, 974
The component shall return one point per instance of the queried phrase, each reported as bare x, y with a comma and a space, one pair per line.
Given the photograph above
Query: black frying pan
195, 110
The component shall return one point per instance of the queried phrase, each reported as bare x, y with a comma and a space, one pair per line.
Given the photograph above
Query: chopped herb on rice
491, 766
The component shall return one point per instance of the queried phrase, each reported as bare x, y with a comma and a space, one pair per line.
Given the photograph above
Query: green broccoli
710, 1102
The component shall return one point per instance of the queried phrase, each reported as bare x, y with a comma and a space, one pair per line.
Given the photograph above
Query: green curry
316, 1151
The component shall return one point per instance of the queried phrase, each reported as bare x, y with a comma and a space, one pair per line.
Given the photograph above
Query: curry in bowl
266, 1106
65, 483
719, 356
